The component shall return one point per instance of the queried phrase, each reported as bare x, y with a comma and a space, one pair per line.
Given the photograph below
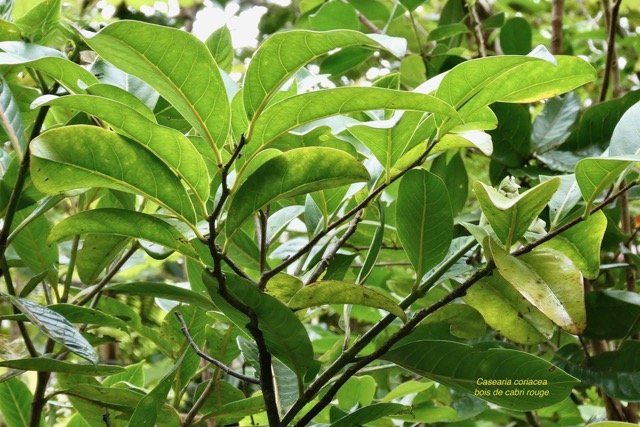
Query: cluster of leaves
179, 248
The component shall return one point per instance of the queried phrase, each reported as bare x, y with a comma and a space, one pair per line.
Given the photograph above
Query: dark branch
210, 359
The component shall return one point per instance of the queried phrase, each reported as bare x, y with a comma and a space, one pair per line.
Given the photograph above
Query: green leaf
123, 96
596, 174
15, 402
553, 125
512, 138
504, 309
510, 218
515, 36
48, 61
599, 121
370, 413
480, 82
54, 326
624, 141
357, 390
548, 280
446, 31
98, 251
184, 74
73, 157
133, 374
90, 316
424, 219
582, 243
285, 337
292, 173
295, 111
41, 20
460, 320
169, 145
616, 372
334, 15
30, 243
334, 292
163, 290
219, 44
283, 287
11, 118
601, 324
563, 200
123, 222
465, 367
150, 405
374, 249
43, 364
282, 54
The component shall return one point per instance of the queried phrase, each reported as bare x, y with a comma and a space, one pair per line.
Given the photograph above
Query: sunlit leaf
43, 364
74, 157
15, 402
185, 74
334, 292
292, 173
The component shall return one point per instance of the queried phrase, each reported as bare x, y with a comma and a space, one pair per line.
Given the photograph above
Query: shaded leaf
370, 413
285, 337
98, 251
54, 326
11, 118
553, 125
334, 292
163, 290
15, 402
424, 219
463, 367
515, 36
43, 364
123, 222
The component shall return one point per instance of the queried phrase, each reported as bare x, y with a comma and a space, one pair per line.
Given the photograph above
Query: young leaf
424, 219
466, 368
123, 222
286, 338
511, 217
282, 54
73, 157
548, 280
297, 110
334, 292
185, 74
169, 145
98, 251
54, 326
292, 173
15, 402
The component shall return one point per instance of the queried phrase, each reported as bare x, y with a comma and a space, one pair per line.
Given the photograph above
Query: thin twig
610, 66
324, 263
475, 22
203, 355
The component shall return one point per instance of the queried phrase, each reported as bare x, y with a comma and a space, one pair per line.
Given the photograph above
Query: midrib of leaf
556, 218
165, 77
422, 224
16, 404
603, 183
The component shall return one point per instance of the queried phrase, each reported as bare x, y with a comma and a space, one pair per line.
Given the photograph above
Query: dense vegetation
391, 212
